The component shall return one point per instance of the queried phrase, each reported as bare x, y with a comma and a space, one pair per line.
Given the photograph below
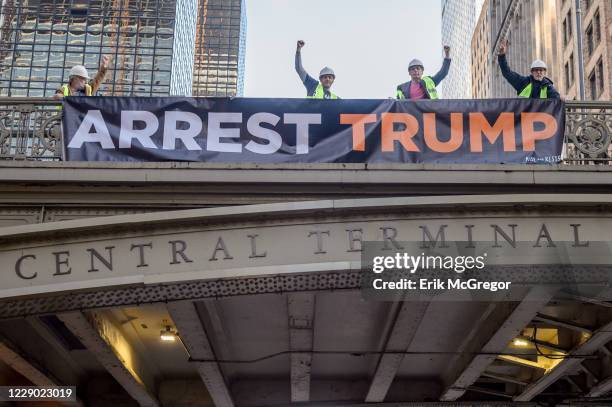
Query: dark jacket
404, 88
519, 82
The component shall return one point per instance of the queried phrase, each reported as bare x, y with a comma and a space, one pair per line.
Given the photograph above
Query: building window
567, 77
589, 39
597, 24
565, 38
571, 63
79, 7
593, 85
600, 75
569, 24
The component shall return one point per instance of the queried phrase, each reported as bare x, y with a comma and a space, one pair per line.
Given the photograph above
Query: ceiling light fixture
168, 334
520, 342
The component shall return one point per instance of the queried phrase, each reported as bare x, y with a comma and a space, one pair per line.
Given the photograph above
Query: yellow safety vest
525, 93
66, 91
320, 93
430, 88
88, 90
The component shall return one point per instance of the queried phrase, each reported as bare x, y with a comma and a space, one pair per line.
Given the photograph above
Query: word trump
477, 127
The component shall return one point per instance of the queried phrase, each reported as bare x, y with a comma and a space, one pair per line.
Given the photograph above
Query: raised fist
105, 62
503, 47
300, 44
446, 51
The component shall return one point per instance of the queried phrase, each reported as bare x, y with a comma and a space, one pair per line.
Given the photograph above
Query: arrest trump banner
244, 130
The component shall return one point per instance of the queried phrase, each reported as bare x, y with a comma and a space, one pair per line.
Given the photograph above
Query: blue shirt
310, 84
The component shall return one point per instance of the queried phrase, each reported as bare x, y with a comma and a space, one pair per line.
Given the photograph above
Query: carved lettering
61, 262
433, 242
18, 270
319, 234
140, 248
107, 263
220, 246
469, 236
178, 249
389, 235
499, 231
546, 235
577, 242
254, 253
353, 239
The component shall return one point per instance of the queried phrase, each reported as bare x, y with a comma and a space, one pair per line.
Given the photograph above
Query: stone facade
596, 32
530, 26
482, 55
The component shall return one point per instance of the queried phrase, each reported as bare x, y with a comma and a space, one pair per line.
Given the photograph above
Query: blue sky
367, 42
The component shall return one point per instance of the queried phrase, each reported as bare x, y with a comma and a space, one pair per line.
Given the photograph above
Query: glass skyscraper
459, 18
153, 45
220, 46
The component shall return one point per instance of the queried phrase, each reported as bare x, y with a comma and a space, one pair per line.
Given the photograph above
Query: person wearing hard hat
79, 82
535, 86
315, 89
420, 86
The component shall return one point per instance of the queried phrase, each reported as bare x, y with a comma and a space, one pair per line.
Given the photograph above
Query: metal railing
30, 129
588, 132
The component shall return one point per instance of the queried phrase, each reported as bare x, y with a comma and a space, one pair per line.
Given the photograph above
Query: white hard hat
538, 64
79, 70
327, 71
415, 62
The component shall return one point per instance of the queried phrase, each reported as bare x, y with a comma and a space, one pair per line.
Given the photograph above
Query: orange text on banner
456, 133
358, 122
389, 135
530, 134
480, 125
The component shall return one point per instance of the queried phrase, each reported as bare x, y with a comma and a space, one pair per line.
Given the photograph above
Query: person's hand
105, 63
446, 51
503, 47
300, 44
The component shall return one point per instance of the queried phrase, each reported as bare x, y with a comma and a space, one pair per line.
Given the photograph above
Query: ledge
187, 172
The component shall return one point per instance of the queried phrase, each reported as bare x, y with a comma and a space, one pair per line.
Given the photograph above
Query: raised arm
441, 74
516, 80
99, 79
298, 61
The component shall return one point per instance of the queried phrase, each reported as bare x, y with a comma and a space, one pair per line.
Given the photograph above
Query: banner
252, 130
